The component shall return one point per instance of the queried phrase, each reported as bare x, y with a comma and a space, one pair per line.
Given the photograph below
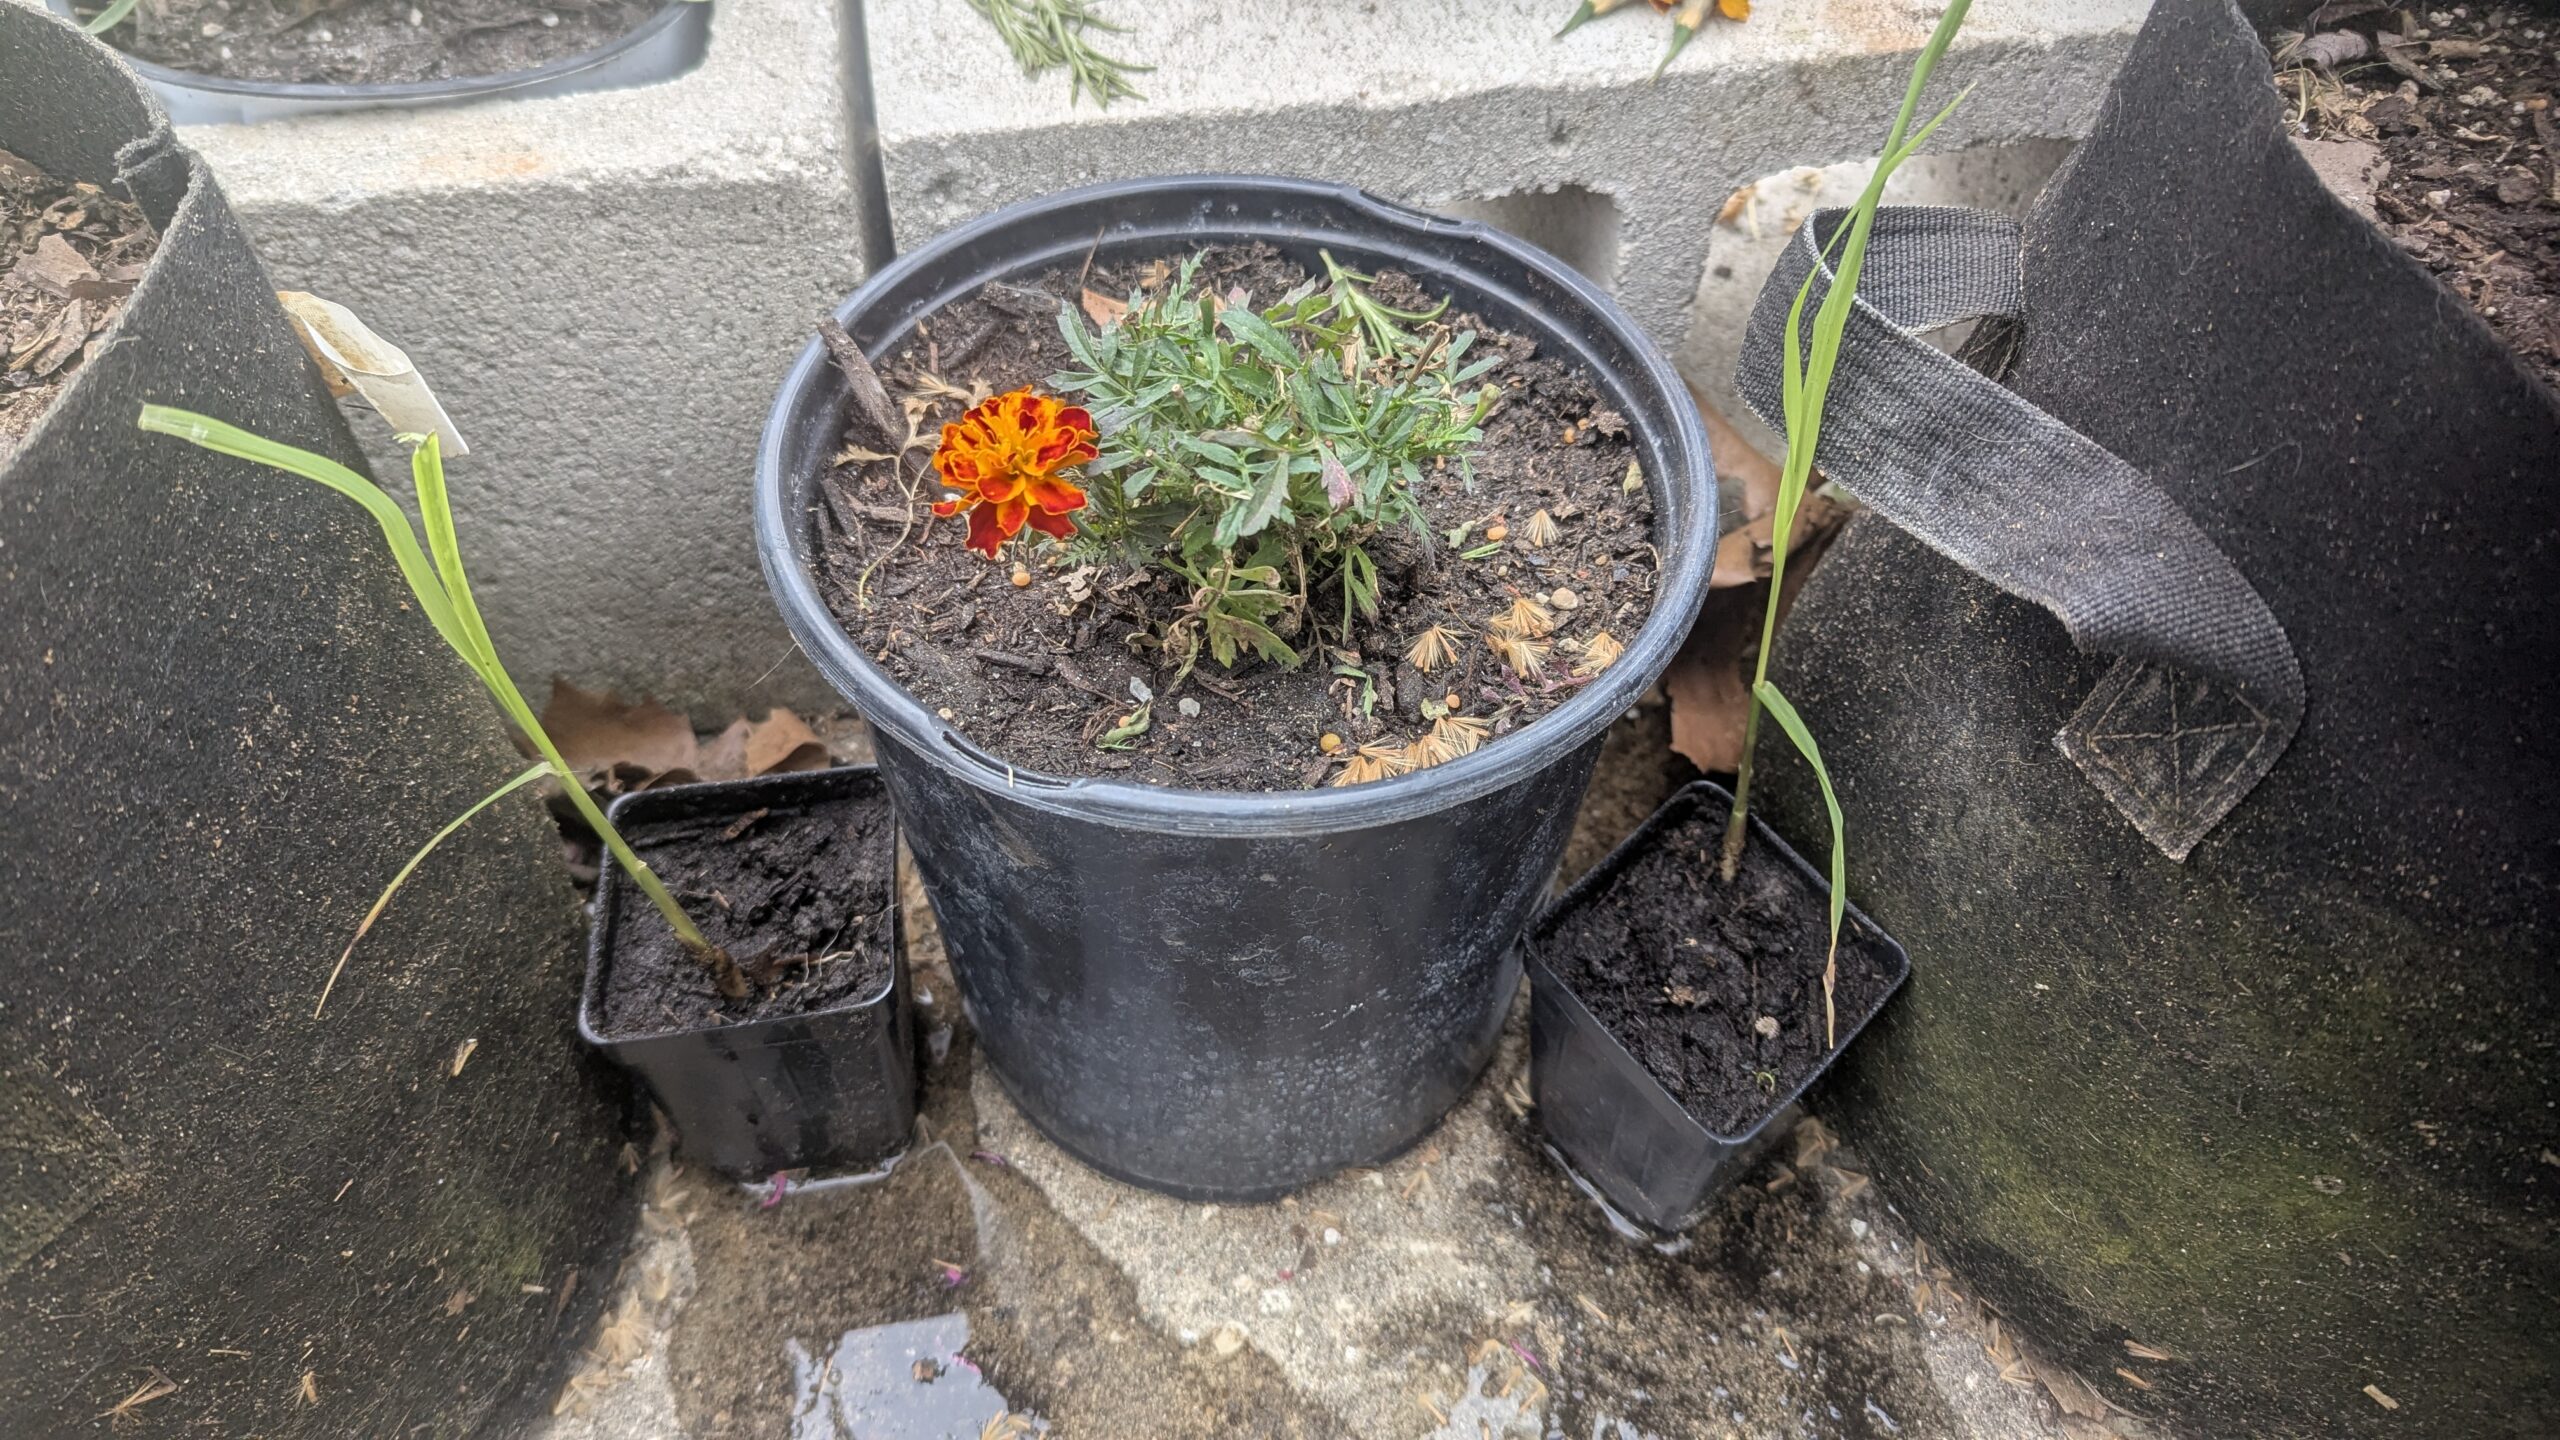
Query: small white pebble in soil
944, 712
1350, 1354
210, 29
1227, 1341
1858, 1228
1767, 1026
323, 36
417, 17
1564, 599
1187, 1337
1189, 707
550, 21
1332, 1236
1865, 1269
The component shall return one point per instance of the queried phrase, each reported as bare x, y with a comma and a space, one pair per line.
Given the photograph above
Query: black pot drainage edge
662, 47
1616, 1125
832, 1088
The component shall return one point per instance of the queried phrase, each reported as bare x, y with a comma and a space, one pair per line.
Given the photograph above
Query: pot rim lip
899, 715
403, 92
1589, 887
591, 987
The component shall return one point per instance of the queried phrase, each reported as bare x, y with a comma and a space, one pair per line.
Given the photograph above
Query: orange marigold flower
1004, 457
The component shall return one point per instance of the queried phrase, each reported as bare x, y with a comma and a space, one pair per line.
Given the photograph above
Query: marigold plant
1004, 457
1255, 448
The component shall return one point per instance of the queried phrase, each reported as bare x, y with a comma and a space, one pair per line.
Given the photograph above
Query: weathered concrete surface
604, 289
1442, 101
1466, 1290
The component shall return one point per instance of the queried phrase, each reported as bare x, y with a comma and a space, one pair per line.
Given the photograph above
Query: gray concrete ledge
605, 290
1468, 105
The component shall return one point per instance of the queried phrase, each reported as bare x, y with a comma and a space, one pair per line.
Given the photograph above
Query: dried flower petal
1526, 617
1004, 456
1598, 653
1523, 656
1433, 649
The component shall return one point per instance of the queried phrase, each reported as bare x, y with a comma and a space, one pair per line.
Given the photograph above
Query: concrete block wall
605, 290
1468, 106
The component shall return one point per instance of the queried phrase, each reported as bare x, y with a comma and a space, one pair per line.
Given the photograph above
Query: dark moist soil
2471, 138
801, 895
1035, 674
368, 42
1679, 966
69, 255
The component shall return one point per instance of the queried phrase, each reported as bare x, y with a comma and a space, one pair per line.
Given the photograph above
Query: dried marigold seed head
1599, 653
1360, 771
1526, 617
1541, 530
1448, 738
1004, 457
1523, 656
1391, 759
1432, 650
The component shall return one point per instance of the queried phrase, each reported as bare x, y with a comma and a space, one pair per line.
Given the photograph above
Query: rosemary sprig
1046, 34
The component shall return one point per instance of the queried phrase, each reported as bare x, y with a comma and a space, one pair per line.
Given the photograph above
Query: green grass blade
212, 434
435, 507
383, 902
1784, 712
109, 18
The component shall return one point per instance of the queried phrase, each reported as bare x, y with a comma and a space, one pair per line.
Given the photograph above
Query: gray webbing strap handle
2205, 693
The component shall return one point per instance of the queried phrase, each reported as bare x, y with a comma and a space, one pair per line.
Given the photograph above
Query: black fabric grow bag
222, 729
2283, 1110
1221, 994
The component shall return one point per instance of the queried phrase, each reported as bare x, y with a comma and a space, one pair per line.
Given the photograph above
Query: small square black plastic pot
828, 1088
1615, 1124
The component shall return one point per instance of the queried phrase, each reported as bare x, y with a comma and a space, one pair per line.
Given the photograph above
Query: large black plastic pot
825, 1089
1616, 1126
665, 45
1214, 994
223, 726
2285, 1110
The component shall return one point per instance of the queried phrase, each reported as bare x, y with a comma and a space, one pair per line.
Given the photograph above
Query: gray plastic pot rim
321, 97
890, 708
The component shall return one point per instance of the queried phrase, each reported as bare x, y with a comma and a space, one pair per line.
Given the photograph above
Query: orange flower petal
985, 535
1048, 524
1054, 495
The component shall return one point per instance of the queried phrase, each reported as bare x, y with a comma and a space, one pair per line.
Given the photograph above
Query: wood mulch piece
69, 255
2458, 99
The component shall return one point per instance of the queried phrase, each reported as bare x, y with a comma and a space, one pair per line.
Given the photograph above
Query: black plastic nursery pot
224, 724
1615, 1124
1226, 995
665, 45
827, 1089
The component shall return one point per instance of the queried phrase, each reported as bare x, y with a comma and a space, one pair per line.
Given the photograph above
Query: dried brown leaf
783, 742
1104, 311
600, 733
2069, 1391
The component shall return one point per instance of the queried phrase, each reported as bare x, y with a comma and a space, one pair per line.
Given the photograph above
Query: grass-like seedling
1805, 387
1254, 453
443, 591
